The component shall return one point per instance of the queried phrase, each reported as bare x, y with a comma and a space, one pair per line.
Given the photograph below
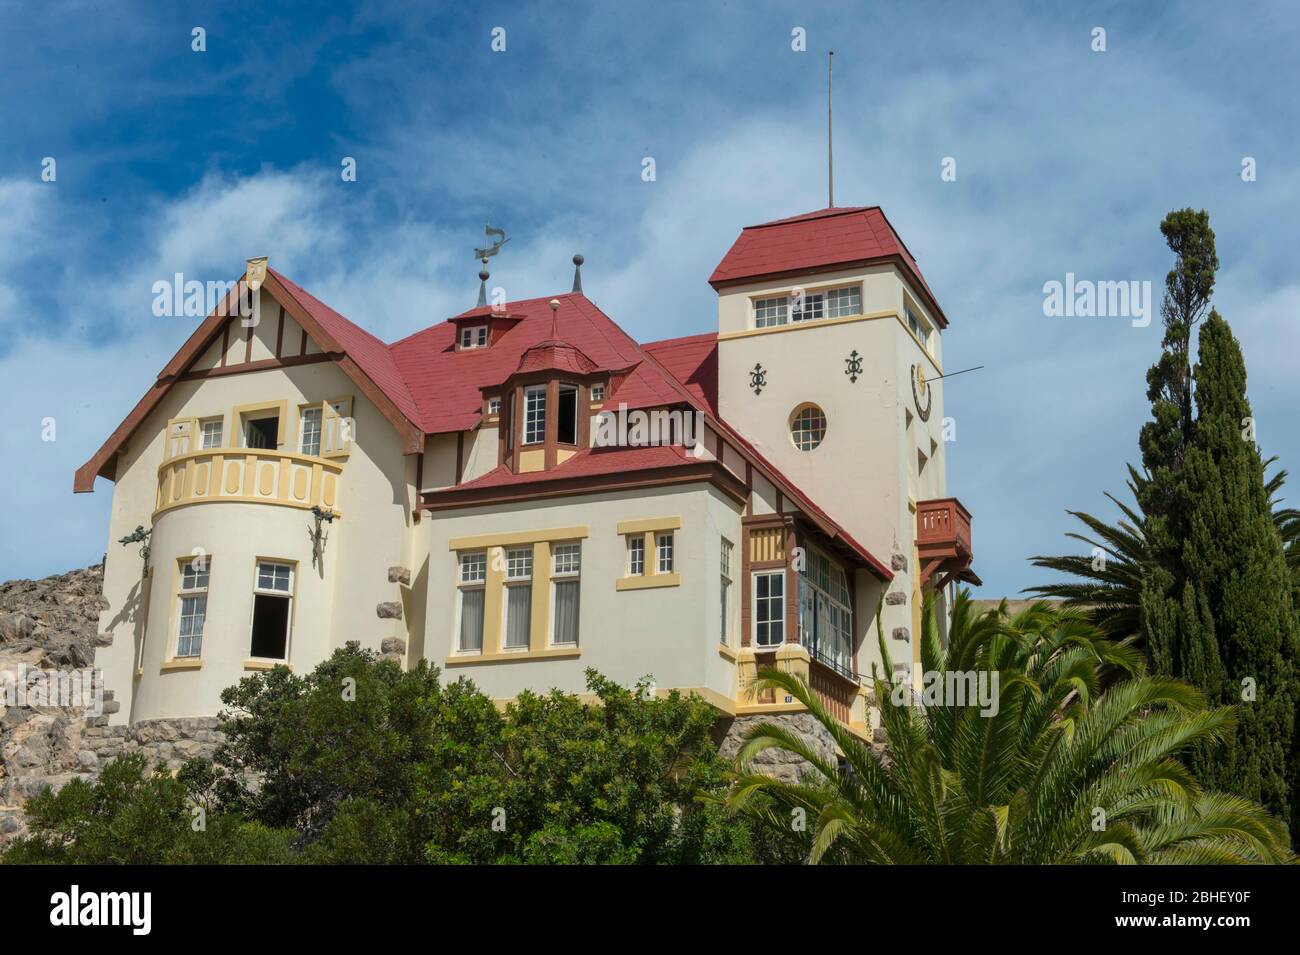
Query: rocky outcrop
778, 763
51, 625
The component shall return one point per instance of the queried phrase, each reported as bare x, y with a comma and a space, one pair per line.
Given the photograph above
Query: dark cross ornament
853, 366
758, 379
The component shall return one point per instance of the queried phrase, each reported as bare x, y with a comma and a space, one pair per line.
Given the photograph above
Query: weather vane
486, 253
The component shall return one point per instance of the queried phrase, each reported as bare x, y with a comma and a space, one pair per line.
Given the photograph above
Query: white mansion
446, 497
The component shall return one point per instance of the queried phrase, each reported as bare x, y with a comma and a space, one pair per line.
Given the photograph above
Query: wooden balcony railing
943, 541
248, 476
835, 692
943, 523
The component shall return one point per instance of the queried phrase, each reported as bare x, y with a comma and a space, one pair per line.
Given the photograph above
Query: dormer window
494, 406
597, 392
474, 336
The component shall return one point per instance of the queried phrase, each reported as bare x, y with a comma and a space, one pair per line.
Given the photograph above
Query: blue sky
170, 160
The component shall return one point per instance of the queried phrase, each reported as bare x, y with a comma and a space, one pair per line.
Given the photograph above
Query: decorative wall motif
758, 379
853, 366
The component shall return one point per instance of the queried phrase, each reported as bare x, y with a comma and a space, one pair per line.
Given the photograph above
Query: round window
807, 427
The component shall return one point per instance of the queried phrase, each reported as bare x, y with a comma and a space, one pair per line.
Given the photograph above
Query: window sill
648, 581
180, 664
727, 653
507, 656
265, 664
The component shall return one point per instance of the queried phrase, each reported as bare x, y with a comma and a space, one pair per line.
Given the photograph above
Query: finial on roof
483, 276
577, 272
555, 311
486, 253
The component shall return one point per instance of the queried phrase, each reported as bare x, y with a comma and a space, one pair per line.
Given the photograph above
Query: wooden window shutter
180, 436
337, 427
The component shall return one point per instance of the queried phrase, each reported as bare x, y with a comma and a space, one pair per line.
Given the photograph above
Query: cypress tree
1175, 614
1233, 561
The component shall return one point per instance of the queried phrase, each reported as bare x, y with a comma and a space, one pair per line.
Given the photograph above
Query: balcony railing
942, 524
245, 475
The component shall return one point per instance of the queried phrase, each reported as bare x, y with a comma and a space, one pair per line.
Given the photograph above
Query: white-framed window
844, 301
597, 392
210, 434
534, 414
192, 597
474, 337
918, 325
519, 597
272, 610
494, 406
309, 431
566, 582
771, 311
769, 607
811, 308
635, 555
471, 590
725, 590
825, 612
664, 551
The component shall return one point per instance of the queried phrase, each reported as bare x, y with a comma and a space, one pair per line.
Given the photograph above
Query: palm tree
1062, 772
1107, 582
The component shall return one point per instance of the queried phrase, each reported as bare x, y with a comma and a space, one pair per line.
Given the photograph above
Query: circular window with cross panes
807, 427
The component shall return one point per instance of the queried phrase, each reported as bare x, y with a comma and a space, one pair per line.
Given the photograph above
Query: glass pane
518, 615
471, 619
565, 629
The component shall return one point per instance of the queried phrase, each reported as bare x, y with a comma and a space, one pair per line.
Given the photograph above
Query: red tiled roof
554, 355
586, 463
447, 384
371, 354
693, 361
817, 241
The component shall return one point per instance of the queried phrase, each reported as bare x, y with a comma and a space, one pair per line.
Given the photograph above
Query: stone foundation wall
778, 763
45, 748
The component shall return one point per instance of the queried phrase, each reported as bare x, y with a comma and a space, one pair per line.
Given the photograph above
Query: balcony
943, 541
247, 476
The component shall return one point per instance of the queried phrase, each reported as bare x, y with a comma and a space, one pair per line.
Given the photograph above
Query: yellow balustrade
248, 476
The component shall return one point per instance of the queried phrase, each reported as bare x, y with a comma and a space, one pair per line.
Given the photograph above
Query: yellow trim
176, 479
532, 460
493, 601
727, 653
539, 615
181, 663
650, 524
506, 656
254, 663
648, 581
480, 541
281, 406
826, 322
811, 323
725, 705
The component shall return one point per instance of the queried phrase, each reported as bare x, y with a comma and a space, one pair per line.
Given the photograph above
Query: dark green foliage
1205, 572
1069, 769
132, 816
1233, 554
362, 762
